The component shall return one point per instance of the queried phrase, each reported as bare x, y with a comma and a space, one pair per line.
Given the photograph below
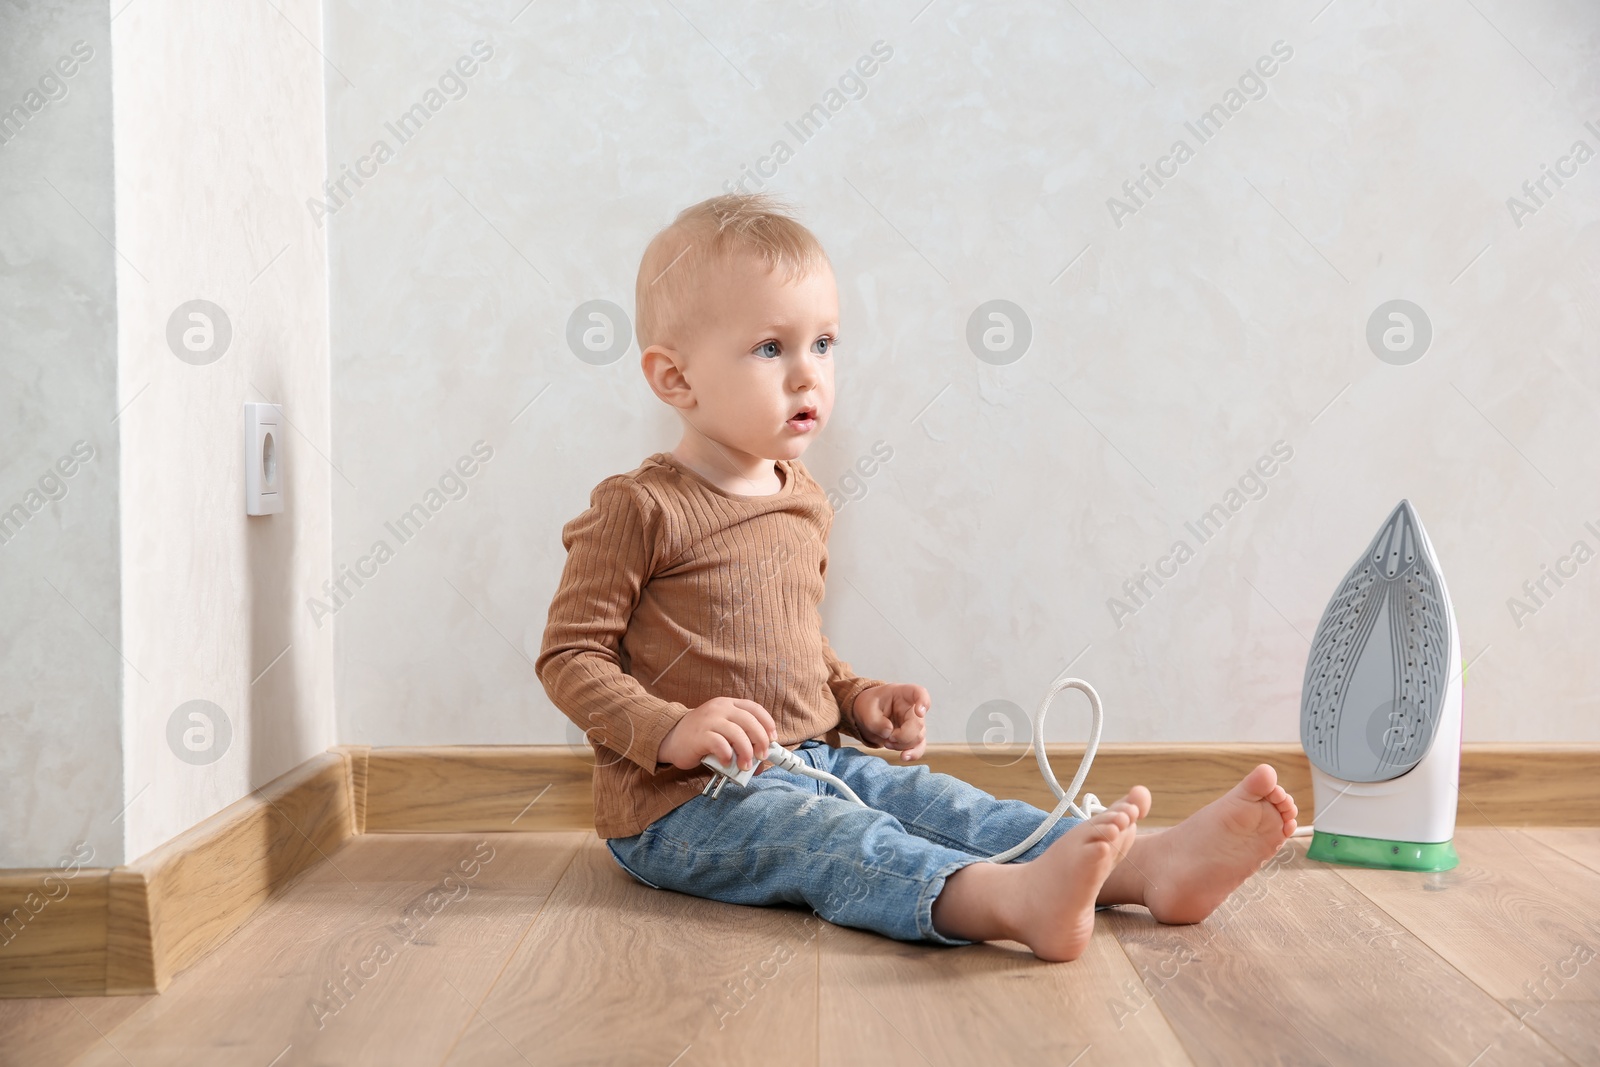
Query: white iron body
1386, 770
1420, 805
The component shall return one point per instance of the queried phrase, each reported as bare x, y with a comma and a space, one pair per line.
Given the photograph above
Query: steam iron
1380, 709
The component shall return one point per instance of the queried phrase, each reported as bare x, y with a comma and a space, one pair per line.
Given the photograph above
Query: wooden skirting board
477, 789
129, 929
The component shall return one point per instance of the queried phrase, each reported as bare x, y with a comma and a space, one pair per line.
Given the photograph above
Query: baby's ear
662, 369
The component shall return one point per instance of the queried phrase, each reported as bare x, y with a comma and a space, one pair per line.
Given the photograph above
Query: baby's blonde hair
674, 264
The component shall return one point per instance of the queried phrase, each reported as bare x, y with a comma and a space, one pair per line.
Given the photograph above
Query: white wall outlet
263, 458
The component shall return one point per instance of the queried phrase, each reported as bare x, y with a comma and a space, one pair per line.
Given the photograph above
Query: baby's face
763, 350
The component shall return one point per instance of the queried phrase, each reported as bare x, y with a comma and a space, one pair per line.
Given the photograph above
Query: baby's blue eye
827, 344
769, 344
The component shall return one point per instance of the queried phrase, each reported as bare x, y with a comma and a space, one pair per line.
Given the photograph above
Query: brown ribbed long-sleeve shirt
675, 592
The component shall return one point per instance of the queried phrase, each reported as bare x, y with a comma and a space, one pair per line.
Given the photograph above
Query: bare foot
1054, 913
1190, 869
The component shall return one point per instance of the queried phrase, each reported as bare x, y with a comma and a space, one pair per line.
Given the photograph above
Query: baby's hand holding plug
729, 728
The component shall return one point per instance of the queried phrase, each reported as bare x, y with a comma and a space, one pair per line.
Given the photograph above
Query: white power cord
782, 757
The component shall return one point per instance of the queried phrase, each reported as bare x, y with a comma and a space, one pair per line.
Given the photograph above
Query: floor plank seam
1505, 1008
1564, 854
1177, 1034
1512, 842
1578, 919
818, 948
511, 955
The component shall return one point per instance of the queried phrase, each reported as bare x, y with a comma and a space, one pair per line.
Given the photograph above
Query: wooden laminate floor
550, 954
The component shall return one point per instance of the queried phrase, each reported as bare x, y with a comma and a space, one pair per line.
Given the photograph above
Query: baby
686, 624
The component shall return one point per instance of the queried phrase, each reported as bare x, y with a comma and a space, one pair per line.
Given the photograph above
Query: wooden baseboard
448, 788
1500, 785
130, 929
479, 789
53, 931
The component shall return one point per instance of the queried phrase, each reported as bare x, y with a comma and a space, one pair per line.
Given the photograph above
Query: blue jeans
789, 838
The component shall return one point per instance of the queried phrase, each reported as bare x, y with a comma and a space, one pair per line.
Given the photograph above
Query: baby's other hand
894, 716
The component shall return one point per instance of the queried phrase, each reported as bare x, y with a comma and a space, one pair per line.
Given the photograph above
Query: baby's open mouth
804, 419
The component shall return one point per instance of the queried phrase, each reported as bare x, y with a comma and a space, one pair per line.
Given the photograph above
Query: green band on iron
1386, 855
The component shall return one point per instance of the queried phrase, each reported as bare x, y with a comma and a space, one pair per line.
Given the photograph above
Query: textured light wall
218, 130
60, 675
1195, 343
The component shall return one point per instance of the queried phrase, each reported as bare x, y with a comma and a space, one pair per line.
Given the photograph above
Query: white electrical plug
731, 770
778, 756
775, 753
